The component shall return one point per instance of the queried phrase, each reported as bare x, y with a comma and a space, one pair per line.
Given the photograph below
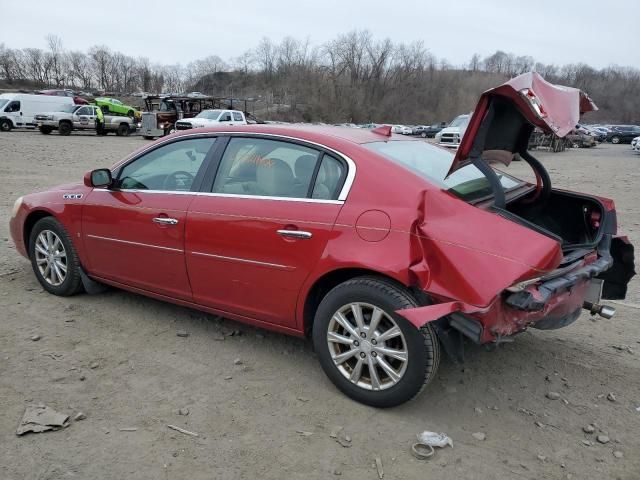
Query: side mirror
99, 178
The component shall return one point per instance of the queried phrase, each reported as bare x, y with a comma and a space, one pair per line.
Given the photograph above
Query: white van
18, 109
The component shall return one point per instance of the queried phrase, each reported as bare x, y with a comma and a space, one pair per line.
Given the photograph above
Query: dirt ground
117, 358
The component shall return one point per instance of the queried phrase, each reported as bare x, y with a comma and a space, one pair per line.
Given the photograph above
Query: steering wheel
179, 180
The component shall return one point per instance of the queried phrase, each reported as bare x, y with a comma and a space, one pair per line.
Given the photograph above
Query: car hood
506, 114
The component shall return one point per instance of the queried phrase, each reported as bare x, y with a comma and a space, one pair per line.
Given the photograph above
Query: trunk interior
574, 220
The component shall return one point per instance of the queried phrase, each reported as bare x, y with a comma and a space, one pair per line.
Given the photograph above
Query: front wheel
53, 258
423, 135
5, 125
615, 140
368, 351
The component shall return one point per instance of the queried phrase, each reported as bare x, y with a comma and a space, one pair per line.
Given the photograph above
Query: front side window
256, 166
84, 111
225, 117
433, 164
171, 167
13, 107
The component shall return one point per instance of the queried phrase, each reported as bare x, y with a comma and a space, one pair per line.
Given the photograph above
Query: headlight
16, 207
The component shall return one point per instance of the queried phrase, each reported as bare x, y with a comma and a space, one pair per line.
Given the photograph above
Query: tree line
352, 78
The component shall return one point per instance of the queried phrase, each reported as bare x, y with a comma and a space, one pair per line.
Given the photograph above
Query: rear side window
225, 117
329, 178
237, 116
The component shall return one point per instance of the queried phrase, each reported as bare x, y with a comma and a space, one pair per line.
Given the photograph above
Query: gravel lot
117, 358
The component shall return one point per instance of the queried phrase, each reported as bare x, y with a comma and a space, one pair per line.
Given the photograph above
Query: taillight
534, 101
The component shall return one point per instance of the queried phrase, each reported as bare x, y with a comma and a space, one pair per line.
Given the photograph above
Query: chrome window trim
117, 240
342, 196
228, 195
244, 260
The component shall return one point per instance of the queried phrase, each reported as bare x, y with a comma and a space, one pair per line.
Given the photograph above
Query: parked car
451, 136
66, 93
623, 133
299, 229
115, 106
196, 95
579, 138
429, 131
18, 109
402, 129
208, 118
635, 144
82, 117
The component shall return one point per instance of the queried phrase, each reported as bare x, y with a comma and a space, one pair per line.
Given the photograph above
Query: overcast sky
596, 32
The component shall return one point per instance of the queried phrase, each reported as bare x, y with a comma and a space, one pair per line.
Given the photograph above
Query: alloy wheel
367, 346
51, 257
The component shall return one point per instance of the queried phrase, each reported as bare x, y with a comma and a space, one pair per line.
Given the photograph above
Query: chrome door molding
139, 244
243, 260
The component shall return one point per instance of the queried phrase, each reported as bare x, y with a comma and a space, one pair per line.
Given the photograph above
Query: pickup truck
81, 117
208, 118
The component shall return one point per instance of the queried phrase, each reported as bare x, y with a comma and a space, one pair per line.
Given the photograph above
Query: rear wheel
5, 125
423, 134
53, 258
615, 139
123, 130
64, 128
45, 129
369, 352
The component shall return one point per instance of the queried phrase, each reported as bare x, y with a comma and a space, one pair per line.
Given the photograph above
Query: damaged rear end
532, 256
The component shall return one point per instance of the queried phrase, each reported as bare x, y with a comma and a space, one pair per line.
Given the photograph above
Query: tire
65, 128
123, 130
5, 125
423, 135
615, 139
49, 232
420, 346
46, 130
147, 137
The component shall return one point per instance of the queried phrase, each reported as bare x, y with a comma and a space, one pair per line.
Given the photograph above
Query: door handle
295, 234
165, 221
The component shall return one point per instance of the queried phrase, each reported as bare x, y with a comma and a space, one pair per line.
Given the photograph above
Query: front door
253, 239
134, 232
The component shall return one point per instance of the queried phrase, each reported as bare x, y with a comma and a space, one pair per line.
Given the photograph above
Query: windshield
209, 114
460, 121
3, 102
69, 108
433, 163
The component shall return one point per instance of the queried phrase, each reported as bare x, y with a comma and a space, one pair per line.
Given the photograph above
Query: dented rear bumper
552, 301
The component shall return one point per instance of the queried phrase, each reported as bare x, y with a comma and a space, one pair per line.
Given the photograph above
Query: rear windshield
432, 163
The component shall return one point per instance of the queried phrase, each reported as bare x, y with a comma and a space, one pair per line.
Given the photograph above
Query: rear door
259, 229
134, 232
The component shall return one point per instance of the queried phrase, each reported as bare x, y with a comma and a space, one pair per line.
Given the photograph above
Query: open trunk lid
552, 108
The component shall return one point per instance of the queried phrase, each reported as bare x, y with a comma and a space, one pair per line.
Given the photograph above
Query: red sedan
382, 248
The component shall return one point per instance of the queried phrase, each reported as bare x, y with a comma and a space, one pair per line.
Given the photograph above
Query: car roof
314, 133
